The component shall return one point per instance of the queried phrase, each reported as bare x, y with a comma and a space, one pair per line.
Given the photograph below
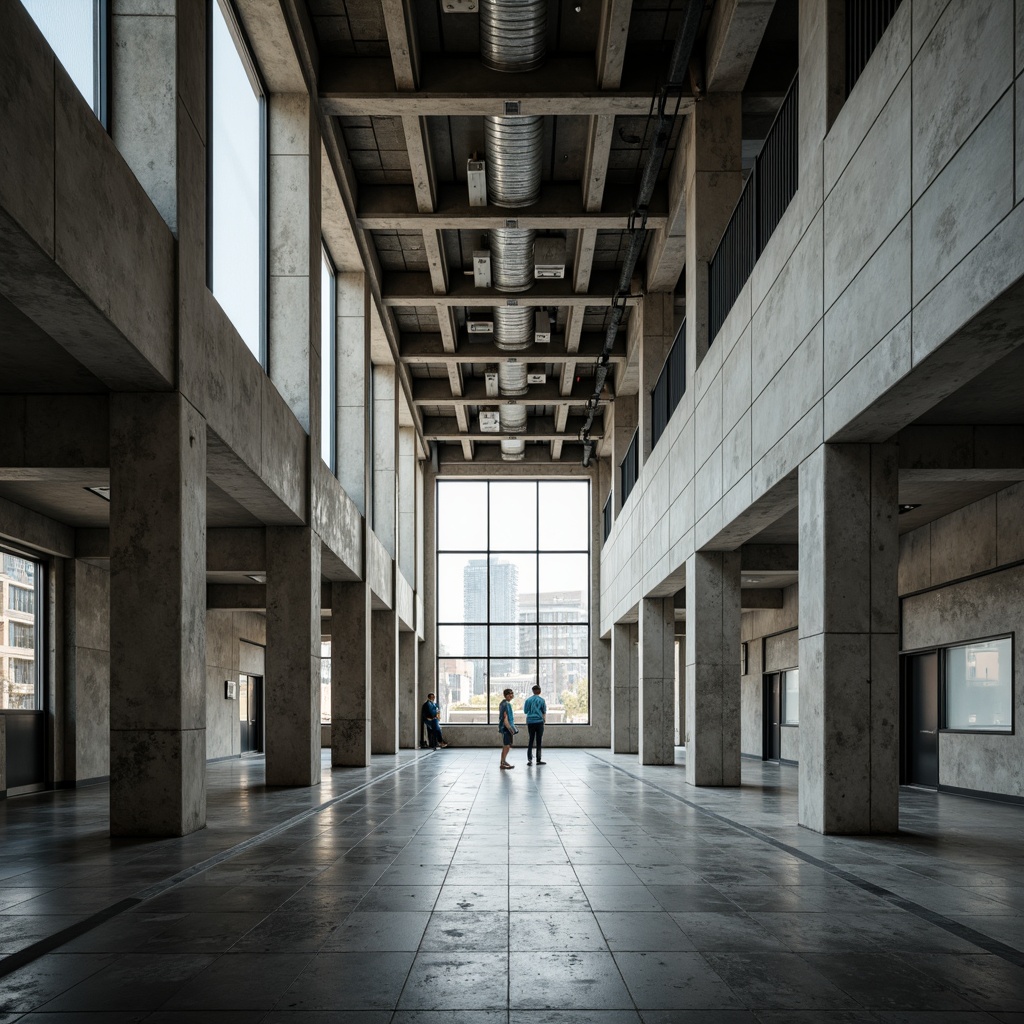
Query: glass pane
564, 588
791, 698
979, 686
528, 640
513, 590
513, 515
565, 687
235, 188
328, 412
517, 674
462, 515
462, 641
325, 682
19, 674
461, 588
563, 641
462, 690
243, 698
505, 642
564, 507
69, 26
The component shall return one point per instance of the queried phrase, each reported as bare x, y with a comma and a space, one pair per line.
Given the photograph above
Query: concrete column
408, 689
157, 616
712, 136
849, 686
658, 330
385, 457
350, 674
713, 668
292, 684
624, 417
657, 681
822, 48
293, 257
384, 681
353, 387
625, 694
407, 503
680, 667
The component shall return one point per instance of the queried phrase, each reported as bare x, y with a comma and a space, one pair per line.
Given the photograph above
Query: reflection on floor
435, 888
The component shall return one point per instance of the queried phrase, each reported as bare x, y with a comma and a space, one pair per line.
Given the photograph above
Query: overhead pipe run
512, 420
513, 34
673, 88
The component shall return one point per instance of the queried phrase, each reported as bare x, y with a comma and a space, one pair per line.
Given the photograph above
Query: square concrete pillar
157, 616
384, 681
292, 685
849, 619
350, 674
625, 689
712, 720
657, 681
408, 683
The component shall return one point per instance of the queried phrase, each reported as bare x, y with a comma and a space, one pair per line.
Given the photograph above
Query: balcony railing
671, 386
607, 517
866, 22
629, 469
766, 194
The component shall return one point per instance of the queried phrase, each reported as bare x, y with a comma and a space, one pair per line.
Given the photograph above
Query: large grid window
328, 335
77, 33
513, 596
237, 201
21, 634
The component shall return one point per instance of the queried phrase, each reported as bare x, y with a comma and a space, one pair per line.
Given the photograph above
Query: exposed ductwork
512, 378
512, 38
514, 146
513, 34
512, 419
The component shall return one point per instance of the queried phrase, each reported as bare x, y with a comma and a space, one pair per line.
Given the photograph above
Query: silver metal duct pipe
512, 378
514, 147
512, 259
513, 34
513, 327
512, 420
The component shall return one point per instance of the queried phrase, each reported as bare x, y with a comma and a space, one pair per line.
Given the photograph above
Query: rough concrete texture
235, 644
712, 668
849, 685
157, 590
3, 754
656, 688
384, 680
350, 674
385, 457
624, 691
292, 684
408, 687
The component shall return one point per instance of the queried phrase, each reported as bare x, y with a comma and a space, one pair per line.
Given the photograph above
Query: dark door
250, 699
773, 716
922, 719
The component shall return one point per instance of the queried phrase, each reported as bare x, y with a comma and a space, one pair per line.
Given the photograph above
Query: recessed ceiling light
908, 508
102, 492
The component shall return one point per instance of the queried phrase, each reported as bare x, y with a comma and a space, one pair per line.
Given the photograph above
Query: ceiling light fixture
908, 507
100, 492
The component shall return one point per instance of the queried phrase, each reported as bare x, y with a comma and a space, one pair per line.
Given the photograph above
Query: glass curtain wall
513, 597
237, 200
328, 333
21, 634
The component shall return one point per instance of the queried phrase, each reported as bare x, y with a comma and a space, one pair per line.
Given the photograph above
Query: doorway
921, 719
772, 717
250, 713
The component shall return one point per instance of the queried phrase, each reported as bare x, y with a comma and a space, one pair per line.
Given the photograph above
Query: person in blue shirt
507, 727
430, 713
536, 710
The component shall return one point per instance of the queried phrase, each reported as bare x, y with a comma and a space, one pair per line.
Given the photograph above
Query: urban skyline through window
513, 605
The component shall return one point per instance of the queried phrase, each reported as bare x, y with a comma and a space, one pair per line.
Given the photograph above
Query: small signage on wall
231, 689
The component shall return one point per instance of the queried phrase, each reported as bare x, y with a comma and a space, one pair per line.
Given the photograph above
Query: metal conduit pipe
513, 327
514, 147
512, 378
513, 34
512, 259
512, 420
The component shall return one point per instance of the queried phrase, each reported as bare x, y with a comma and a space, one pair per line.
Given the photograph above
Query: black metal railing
671, 386
607, 516
766, 194
866, 22
629, 469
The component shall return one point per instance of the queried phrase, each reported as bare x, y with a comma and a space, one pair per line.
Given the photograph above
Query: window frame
330, 365
942, 652
259, 87
40, 625
783, 717
487, 554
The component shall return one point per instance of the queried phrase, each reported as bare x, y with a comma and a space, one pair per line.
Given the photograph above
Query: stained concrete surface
592, 890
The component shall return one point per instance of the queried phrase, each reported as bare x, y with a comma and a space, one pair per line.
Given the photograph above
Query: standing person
507, 727
536, 710
430, 712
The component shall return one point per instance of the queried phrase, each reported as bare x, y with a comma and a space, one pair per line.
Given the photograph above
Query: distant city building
504, 603
17, 633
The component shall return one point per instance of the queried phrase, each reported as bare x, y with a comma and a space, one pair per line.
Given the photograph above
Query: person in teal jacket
507, 727
536, 710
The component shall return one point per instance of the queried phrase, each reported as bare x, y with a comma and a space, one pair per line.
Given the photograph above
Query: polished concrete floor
435, 888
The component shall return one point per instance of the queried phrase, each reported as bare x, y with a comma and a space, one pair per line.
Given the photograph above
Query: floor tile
348, 981
240, 981
571, 981
482, 931
457, 981
567, 931
674, 980
640, 930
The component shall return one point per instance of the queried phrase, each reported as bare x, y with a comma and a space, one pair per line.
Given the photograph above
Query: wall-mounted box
476, 179
482, 268
491, 384
542, 327
490, 421
549, 258
480, 324
536, 378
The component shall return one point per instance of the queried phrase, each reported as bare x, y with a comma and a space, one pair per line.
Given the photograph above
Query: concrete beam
538, 428
415, 289
734, 35
236, 550
490, 455
769, 558
427, 349
436, 392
